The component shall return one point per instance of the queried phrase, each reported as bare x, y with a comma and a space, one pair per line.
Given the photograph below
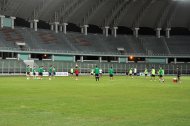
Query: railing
9, 49
15, 68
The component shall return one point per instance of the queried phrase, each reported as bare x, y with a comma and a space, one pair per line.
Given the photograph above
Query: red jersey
76, 71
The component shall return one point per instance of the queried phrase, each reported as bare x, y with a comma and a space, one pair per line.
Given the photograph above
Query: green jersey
146, 71
111, 71
97, 70
130, 71
161, 72
50, 70
153, 71
34, 70
41, 70
27, 69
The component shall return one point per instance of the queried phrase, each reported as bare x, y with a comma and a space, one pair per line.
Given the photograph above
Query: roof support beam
145, 6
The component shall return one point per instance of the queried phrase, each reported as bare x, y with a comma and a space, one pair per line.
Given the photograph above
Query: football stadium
94, 62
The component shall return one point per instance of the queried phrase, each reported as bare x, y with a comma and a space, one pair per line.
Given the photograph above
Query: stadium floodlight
131, 57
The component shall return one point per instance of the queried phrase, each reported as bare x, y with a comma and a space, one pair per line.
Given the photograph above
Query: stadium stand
48, 40
158, 16
179, 44
155, 45
8, 39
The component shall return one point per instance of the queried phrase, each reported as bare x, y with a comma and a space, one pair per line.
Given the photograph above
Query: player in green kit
135, 72
34, 72
153, 74
178, 72
71, 72
40, 71
146, 72
97, 72
28, 72
111, 72
50, 72
131, 73
53, 71
161, 74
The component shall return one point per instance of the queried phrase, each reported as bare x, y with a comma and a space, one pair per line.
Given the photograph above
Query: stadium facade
118, 33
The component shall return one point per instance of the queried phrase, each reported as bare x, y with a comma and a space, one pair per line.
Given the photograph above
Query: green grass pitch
64, 101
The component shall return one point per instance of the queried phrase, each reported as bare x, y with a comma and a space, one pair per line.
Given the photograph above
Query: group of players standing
97, 72
153, 74
37, 73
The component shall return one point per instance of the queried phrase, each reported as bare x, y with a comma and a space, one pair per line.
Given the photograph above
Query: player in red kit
76, 72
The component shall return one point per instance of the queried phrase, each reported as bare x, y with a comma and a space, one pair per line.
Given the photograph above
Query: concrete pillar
158, 32
65, 28
168, 32
74, 58
29, 56
36, 25
13, 22
136, 32
56, 27
100, 59
1, 21
61, 28
175, 60
81, 58
53, 58
18, 56
115, 31
166, 60
85, 29
52, 26
119, 61
82, 29
107, 30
